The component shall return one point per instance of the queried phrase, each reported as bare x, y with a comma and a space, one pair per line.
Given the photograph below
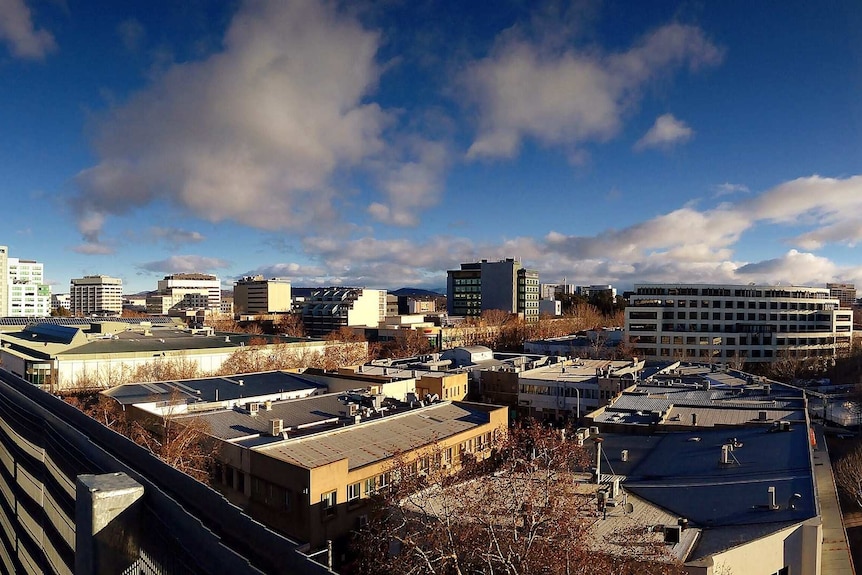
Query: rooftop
681, 472
379, 439
212, 388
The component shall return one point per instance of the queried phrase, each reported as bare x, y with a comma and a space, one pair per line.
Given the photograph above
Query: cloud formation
175, 236
686, 244
254, 133
666, 132
564, 97
21, 35
185, 264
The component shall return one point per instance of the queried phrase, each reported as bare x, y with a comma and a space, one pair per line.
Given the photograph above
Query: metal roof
212, 388
681, 472
377, 440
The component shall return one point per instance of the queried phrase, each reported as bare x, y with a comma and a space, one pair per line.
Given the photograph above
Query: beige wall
304, 518
797, 547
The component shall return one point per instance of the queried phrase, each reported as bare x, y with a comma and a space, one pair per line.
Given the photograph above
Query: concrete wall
185, 527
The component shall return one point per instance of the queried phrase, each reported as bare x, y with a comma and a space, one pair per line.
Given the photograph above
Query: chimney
694, 419
598, 441
771, 492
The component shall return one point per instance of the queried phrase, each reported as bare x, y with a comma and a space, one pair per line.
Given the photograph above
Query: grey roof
212, 388
680, 472
376, 440
231, 424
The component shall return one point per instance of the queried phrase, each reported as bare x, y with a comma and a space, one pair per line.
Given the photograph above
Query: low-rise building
308, 467
104, 354
729, 458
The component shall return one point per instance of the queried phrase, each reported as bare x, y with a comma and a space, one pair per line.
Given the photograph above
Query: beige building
95, 294
256, 295
105, 354
308, 467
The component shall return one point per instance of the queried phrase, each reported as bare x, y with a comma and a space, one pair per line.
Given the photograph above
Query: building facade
98, 293
329, 309
23, 292
504, 285
26, 291
845, 293
256, 295
188, 291
736, 323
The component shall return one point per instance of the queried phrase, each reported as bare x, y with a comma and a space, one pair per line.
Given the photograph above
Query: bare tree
848, 474
516, 512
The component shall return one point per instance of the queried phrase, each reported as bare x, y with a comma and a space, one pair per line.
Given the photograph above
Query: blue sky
382, 143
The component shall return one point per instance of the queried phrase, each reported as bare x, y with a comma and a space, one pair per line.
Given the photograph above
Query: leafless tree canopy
518, 512
848, 474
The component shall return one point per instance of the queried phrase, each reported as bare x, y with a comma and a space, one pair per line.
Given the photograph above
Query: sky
381, 143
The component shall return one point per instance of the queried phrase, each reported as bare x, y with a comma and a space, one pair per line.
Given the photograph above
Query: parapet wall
185, 527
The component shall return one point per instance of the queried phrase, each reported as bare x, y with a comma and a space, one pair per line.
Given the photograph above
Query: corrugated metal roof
379, 439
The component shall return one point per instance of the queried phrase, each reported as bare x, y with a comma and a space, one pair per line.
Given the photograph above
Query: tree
60, 312
517, 512
848, 474
290, 324
344, 347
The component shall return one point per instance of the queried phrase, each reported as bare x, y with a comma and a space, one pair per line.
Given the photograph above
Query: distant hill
416, 292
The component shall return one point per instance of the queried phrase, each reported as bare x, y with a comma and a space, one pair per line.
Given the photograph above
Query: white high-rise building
736, 323
95, 294
190, 291
26, 291
23, 292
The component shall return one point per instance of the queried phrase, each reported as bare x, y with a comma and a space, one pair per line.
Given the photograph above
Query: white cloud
666, 132
794, 267
185, 264
19, 33
175, 236
727, 189
93, 249
526, 90
254, 133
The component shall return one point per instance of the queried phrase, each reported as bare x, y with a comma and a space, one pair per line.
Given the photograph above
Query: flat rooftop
211, 389
376, 440
681, 472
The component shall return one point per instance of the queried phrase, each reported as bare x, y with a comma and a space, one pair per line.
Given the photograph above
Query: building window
328, 502
353, 492
369, 487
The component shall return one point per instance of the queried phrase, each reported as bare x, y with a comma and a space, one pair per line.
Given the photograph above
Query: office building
504, 285
736, 323
191, 291
329, 309
23, 292
845, 293
26, 292
256, 295
96, 294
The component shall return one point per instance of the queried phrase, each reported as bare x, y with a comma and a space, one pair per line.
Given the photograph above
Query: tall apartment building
95, 294
844, 293
191, 291
256, 295
505, 285
23, 292
735, 323
329, 309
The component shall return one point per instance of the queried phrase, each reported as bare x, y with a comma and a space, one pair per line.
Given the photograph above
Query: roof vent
672, 534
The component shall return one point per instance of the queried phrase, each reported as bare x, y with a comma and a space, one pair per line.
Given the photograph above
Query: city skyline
380, 145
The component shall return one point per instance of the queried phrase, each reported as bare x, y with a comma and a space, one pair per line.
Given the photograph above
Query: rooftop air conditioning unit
253, 408
275, 427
